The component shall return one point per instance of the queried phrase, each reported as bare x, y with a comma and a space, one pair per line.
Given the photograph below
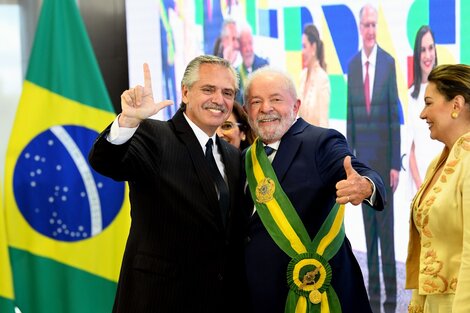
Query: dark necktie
222, 188
367, 89
268, 150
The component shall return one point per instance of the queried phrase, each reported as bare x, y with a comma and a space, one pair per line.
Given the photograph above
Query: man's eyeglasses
227, 125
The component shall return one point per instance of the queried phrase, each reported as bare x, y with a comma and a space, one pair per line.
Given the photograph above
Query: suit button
220, 277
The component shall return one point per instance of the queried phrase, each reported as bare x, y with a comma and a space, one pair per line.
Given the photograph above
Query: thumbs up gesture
355, 188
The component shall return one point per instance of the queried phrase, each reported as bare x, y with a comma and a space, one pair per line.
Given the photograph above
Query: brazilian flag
66, 224
6, 286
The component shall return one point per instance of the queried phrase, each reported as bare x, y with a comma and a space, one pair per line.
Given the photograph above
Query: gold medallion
265, 190
314, 296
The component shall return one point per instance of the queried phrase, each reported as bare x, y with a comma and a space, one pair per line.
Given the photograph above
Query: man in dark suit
185, 247
373, 132
250, 61
315, 169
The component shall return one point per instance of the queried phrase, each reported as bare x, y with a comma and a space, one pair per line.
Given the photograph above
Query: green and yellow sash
308, 273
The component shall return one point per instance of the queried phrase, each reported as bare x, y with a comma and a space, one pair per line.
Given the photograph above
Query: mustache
213, 106
270, 116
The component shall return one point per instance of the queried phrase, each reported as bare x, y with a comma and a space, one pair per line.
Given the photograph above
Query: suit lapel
187, 135
288, 148
360, 85
378, 80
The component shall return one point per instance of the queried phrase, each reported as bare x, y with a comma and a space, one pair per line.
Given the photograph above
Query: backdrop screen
169, 33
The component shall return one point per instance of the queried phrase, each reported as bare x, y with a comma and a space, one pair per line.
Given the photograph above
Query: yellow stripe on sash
301, 306
325, 307
276, 212
333, 232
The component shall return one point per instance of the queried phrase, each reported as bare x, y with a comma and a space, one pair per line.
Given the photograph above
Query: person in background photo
250, 61
423, 149
227, 45
297, 258
314, 88
373, 132
185, 247
438, 261
236, 129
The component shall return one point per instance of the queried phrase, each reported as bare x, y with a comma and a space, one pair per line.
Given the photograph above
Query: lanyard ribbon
308, 273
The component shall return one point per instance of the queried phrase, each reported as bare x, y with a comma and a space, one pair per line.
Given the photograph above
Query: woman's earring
454, 115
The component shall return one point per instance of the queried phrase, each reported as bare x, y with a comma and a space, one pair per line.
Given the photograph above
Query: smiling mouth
268, 120
216, 109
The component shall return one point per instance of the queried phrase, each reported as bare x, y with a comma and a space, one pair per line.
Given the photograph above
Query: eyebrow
215, 87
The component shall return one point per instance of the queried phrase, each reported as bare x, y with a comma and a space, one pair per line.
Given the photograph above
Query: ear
296, 106
184, 91
458, 103
314, 48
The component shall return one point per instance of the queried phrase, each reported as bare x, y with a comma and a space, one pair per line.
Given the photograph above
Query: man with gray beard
300, 177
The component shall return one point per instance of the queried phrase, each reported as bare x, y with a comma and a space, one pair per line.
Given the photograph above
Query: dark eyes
226, 92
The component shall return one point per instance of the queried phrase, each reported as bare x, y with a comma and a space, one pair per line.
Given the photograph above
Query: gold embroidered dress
438, 263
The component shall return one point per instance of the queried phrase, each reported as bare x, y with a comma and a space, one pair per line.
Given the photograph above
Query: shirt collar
372, 57
200, 134
274, 145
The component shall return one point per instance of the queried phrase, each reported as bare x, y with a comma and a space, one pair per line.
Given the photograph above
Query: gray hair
191, 73
287, 80
225, 24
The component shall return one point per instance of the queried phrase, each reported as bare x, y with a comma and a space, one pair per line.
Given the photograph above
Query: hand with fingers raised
137, 103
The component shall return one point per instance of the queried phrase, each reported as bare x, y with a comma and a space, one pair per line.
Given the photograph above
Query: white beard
273, 133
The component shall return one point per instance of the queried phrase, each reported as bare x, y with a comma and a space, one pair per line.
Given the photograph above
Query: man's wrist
128, 122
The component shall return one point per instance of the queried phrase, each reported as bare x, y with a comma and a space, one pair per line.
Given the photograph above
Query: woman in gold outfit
438, 262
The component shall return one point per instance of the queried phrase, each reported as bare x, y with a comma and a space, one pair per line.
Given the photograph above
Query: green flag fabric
66, 225
6, 285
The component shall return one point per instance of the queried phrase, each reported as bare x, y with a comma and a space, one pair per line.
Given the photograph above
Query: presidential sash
308, 273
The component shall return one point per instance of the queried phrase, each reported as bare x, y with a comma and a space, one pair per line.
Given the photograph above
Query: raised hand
138, 104
355, 188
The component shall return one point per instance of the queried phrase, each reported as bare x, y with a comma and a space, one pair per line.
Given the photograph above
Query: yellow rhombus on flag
66, 224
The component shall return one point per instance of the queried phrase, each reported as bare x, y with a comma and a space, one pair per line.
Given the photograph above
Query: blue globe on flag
57, 191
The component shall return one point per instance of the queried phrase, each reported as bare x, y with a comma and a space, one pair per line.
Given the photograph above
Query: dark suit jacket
308, 164
375, 139
178, 257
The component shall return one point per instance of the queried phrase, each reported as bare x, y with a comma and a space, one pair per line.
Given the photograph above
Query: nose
428, 54
422, 115
265, 107
218, 97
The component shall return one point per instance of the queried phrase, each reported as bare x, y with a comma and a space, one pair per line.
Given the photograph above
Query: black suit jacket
308, 164
178, 257
375, 139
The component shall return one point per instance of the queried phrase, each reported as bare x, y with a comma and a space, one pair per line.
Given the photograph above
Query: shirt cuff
371, 199
119, 135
